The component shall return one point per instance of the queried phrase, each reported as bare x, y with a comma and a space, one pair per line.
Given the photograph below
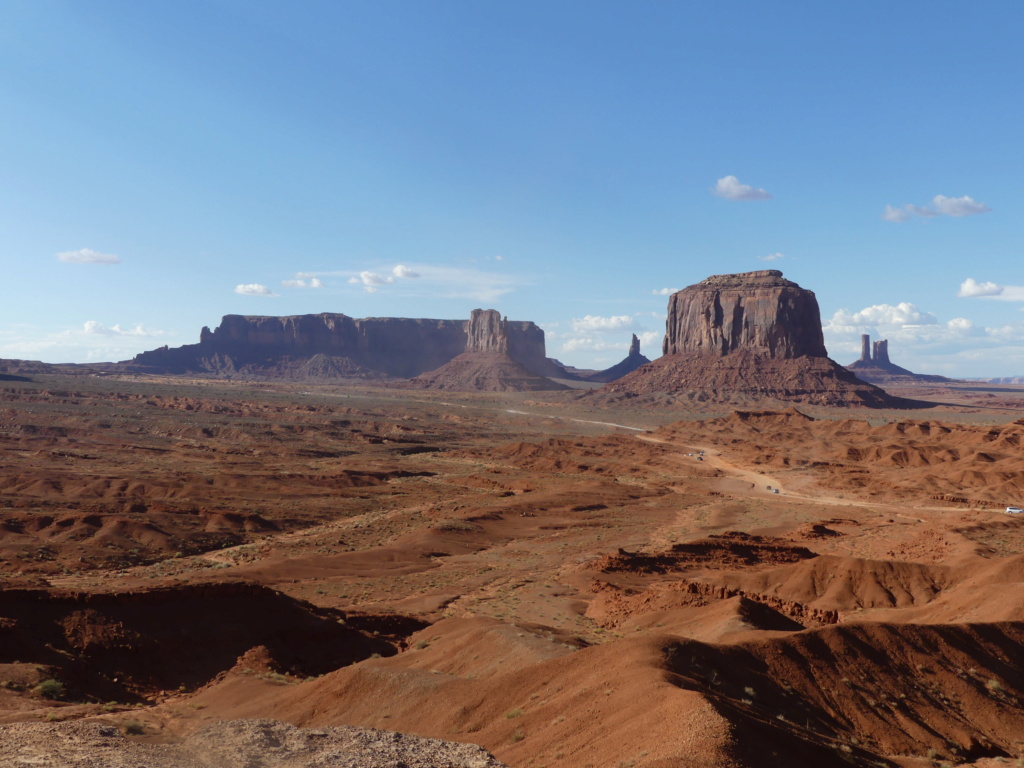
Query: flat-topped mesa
747, 338
758, 311
392, 346
487, 331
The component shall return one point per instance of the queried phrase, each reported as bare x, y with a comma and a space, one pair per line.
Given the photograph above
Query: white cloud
593, 333
91, 342
882, 316
87, 256
960, 325
902, 214
956, 207
370, 281
664, 291
253, 289
402, 271
959, 206
772, 257
731, 188
592, 344
597, 324
651, 340
93, 327
971, 289
301, 282
441, 282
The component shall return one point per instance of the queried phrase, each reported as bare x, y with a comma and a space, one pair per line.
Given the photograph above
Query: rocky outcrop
390, 346
630, 363
747, 338
880, 352
875, 367
485, 365
484, 372
486, 331
758, 311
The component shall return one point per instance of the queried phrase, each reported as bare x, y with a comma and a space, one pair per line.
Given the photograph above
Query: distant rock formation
759, 311
874, 365
630, 363
485, 365
747, 337
487, 331
329, 343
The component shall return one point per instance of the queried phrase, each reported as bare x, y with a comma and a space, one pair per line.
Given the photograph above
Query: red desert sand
194, 565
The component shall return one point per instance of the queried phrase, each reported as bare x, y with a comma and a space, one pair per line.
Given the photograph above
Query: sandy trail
762, 483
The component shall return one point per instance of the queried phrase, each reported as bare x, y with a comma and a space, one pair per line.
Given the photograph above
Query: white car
1014, 511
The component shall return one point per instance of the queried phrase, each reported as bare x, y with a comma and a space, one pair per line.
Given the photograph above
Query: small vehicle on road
1014, 511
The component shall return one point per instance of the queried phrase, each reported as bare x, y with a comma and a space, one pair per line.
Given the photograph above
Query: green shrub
134, 727
51, 689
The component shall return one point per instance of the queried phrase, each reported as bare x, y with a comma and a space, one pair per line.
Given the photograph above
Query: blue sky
164, 164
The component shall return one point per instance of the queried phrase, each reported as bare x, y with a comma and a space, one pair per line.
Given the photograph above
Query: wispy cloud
594, 333
664, 291
732, 188
772, 257
956, 207
303, 282
254, 289
430, 280
95, 328
972, 289
596, 323
87, 256
403, 272
93, 341
372, 281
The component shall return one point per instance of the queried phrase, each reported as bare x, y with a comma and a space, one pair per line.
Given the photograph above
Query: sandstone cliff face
760, 311
747, 338
486, 332
487, 365
395, 346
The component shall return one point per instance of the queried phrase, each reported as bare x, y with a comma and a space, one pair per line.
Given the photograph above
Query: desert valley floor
565, 580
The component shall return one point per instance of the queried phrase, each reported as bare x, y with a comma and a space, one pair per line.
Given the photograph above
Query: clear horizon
567, 163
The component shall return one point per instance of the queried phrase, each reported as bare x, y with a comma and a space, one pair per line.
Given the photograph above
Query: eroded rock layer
745, 338
753, 310
486, 365
393, 346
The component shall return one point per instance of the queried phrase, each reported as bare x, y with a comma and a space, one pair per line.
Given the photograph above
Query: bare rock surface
743, 338
232, 744
752, 310
486, 331
874, 366
394, 346
486, 365
630, 363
